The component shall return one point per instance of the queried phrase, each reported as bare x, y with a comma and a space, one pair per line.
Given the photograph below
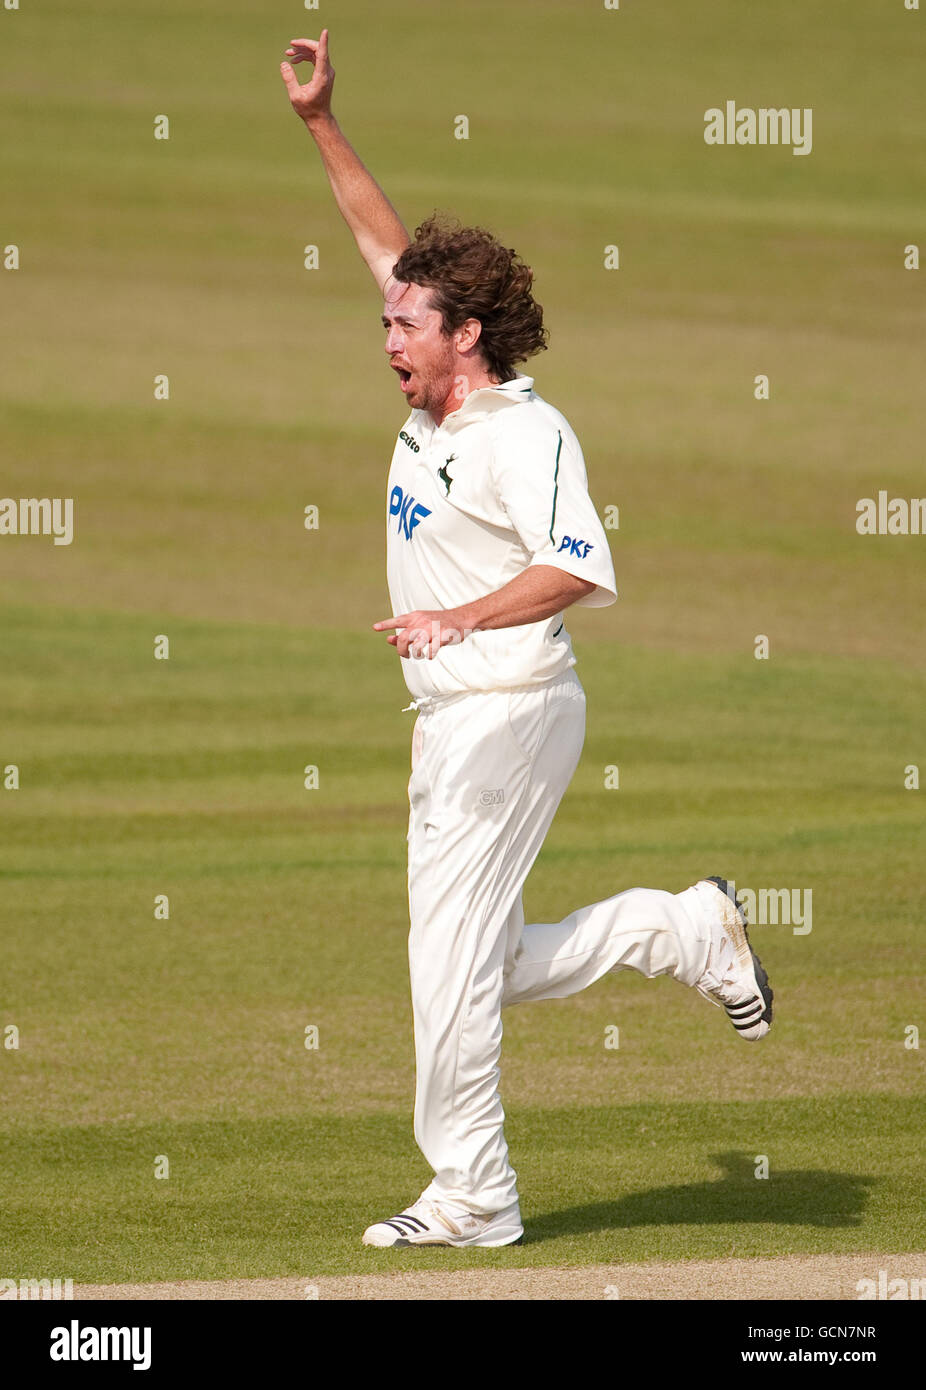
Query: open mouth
404, 376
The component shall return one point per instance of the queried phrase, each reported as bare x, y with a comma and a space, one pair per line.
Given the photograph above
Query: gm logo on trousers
409, 512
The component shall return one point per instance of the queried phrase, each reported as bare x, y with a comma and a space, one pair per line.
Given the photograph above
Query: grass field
184, 1038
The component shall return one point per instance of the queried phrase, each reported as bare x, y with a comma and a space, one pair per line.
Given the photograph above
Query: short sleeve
541, 483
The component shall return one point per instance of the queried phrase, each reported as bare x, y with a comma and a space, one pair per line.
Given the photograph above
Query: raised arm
374, 222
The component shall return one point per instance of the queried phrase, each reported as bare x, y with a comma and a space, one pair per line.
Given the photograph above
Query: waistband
429, 704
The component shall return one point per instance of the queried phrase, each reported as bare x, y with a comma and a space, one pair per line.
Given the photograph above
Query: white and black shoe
427, 1222
734, 978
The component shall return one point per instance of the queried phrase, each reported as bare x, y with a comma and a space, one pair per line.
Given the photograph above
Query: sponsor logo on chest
407, 511
442, 470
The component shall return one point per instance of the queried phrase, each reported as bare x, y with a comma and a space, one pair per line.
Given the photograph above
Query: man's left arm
536, 593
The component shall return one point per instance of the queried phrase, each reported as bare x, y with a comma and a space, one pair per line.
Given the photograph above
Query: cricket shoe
427, 1222
734, 978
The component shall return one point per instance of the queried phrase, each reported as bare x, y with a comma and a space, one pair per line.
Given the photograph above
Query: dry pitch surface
789, 1277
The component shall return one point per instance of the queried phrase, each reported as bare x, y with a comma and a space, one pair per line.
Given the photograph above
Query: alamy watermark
88, 1343
789, 907
29, 1290
891, 1289
38, 516
763, 125
895, 516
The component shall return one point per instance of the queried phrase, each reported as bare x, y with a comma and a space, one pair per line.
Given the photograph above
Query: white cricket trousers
488, 772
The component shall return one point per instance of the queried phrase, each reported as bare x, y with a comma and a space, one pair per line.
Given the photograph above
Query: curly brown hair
471, 275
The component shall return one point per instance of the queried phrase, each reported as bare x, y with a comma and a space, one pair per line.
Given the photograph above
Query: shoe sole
504, 1229
457, 1244
735, 924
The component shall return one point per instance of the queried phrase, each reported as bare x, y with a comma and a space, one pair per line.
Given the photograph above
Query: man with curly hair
491, 536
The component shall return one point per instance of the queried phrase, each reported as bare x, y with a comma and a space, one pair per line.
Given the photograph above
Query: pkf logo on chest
409, 512
575, 547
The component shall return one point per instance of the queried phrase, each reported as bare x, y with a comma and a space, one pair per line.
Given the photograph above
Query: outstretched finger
317, 51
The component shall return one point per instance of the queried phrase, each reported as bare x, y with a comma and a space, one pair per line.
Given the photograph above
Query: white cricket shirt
500, 485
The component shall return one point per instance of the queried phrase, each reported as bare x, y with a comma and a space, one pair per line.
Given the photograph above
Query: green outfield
142, 1040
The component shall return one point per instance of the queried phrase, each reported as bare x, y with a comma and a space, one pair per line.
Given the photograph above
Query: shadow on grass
267, 1196
793, 1197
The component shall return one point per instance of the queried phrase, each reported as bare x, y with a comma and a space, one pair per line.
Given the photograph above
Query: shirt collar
520, 388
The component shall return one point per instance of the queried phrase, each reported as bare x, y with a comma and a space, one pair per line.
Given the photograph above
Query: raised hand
313, 100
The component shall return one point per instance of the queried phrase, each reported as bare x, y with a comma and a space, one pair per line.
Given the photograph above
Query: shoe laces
723, 964
433, 1213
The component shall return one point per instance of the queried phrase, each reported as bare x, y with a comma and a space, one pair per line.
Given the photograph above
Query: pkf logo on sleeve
575, 546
